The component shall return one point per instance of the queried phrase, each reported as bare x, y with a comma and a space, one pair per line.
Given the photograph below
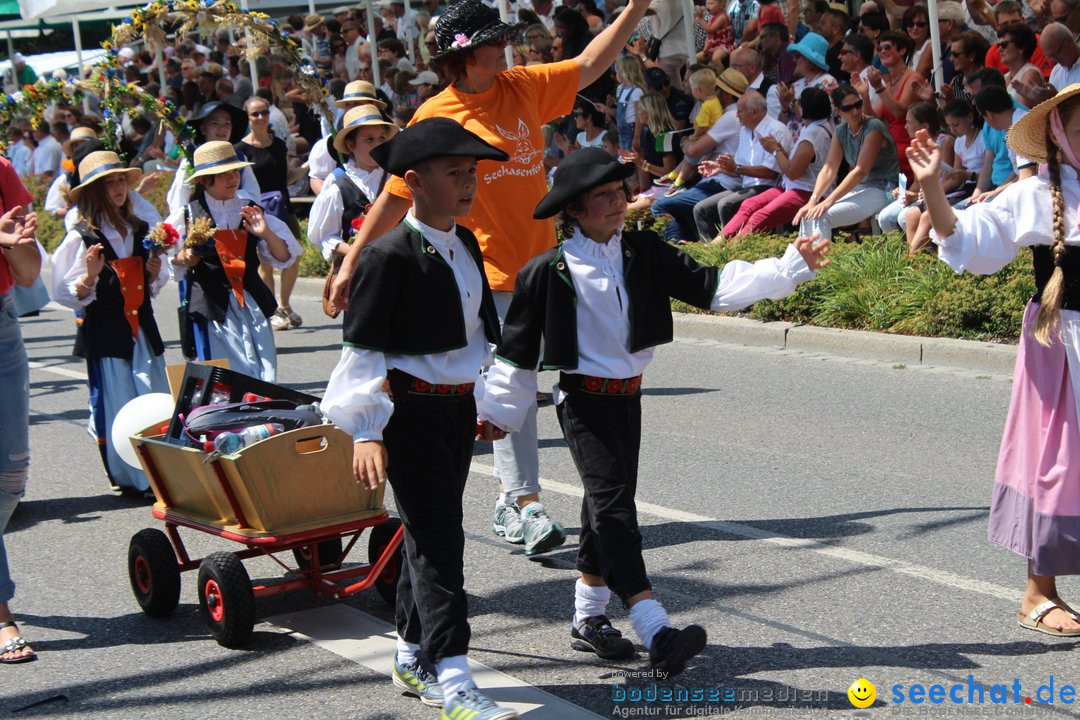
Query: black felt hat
579, 172
238, 117
467, 24
432, 138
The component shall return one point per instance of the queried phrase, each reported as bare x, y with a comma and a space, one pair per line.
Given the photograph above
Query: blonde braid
1052, 295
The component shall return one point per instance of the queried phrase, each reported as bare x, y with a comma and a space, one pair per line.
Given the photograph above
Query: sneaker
540, 531
294, 319
280, 319
597, 635
671, 648
417, 680
508, 523
471, 704
674, 190
663, 181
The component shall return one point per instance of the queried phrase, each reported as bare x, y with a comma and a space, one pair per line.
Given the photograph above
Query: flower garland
31, 102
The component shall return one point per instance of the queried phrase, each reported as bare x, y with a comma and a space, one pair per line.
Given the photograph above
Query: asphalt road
823, 518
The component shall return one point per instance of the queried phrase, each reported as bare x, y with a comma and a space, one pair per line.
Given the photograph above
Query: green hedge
872, 285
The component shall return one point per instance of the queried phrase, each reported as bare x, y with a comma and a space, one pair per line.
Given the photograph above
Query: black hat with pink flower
468, 24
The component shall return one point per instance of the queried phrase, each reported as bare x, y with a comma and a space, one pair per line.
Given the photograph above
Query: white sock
589, 601
502, 499
648, 617
454, 674
535, 506
406, 651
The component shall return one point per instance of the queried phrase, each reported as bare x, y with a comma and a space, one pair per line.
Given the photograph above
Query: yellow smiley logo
862, 693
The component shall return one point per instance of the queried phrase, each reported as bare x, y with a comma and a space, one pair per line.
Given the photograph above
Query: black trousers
604, 437
429, 441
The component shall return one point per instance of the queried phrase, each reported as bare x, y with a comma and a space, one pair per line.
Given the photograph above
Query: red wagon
290, 492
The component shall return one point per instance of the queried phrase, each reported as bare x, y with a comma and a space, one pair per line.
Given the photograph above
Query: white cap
18, 57
405, 65
202, 50
425, 78
127, 53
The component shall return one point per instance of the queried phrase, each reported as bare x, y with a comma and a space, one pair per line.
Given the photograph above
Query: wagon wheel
154, 573
329, 553
226, 599
380, 538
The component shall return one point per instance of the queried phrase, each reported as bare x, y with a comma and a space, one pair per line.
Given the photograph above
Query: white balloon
137, 415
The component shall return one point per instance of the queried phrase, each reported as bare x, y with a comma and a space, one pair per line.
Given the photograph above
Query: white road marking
368, 641
57, 370
746, 531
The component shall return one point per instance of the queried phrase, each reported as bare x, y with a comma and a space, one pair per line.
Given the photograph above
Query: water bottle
228, 443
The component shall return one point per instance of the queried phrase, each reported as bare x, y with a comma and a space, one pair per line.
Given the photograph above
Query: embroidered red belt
402, 383
600, 385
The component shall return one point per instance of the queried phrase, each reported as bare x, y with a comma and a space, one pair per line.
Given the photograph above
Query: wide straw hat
98, 165
359, 91
78, 135
358, 117
732, 82
216, 157
313, 20
467, 24
1028, 136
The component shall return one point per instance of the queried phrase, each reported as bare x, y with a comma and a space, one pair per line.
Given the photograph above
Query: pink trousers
766, 211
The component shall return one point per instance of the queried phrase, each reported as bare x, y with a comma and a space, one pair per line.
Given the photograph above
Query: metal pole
159, 58
247, 46
370, 12
11, 54
687, 7
310, 6
410, 31
78, 56
504, 15
935, 45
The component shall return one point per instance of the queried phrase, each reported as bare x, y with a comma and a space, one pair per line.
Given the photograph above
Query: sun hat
98, 165
579, 172
313, 20
216, 157
359, 91
426, 77
1028, 136
78, 135
468, 24
432, 138
812, 47
358, 117
236, 115
732, 82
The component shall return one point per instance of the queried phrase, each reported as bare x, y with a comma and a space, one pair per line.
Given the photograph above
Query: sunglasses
259, 113
848, 108
885, 47
916, 23
1002, 44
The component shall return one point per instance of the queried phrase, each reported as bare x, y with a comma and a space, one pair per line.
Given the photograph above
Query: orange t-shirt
509, 115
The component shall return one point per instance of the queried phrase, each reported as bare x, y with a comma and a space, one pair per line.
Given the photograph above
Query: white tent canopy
46, 63
34, 9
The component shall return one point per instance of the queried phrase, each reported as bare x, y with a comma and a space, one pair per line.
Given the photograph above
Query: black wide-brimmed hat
579, 172
238, 117
432, 138
467, 24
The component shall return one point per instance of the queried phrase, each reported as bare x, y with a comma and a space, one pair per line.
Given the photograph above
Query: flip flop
14, 645
1033, 620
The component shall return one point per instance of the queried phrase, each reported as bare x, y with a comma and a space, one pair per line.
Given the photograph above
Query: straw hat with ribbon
1028, 136
732, 82
216, 157
78, 135
359, 91
98, 165
313, 20
356, 118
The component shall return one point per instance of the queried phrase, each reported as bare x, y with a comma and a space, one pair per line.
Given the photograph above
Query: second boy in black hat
420, 321
594, 308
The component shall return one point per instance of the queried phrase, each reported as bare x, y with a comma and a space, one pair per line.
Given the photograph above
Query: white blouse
69, 265
180, 191
354, 399
603, 319
324, 220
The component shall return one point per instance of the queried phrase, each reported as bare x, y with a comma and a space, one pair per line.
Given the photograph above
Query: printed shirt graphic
509, 116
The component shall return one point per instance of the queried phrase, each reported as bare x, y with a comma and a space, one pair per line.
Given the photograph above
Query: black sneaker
671, 648
596, 635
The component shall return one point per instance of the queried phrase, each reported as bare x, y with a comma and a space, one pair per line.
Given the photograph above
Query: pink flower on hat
460, 40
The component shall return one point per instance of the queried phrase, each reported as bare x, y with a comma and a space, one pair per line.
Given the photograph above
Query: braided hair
1049, 315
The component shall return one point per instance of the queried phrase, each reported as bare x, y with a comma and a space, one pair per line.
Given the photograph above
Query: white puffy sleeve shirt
180, 191
69, 265
324, 220
603, 319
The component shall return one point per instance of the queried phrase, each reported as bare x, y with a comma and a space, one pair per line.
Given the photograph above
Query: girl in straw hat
103, 269
338, 211
322, 160
1035, 510
230, 304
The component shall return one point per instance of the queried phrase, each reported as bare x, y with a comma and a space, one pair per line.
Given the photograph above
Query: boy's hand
369, 464
487, 431
813, 251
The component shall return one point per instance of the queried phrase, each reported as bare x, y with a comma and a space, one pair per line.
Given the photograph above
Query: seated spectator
1006, 13
778, 205
719, 37
865, 143
679, 103
812, 70
426, 84
1017, 45
777, 63
611, 143
999, 165
749, 173
968, 50
895, 90
590, 126
749, 62
1059, 46
703, 86
660, 148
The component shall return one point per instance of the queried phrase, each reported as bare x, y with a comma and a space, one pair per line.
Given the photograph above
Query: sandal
15, 644
1033, 620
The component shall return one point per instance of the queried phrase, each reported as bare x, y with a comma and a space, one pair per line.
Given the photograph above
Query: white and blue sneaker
507, 523
417, 680
471, 704
541, 533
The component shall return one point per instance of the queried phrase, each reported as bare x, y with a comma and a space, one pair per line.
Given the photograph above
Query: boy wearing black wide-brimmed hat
595, 308
421, 322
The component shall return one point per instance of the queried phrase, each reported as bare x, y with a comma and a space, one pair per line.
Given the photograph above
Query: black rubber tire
154, 572
230, 614
329, 554
380, 537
